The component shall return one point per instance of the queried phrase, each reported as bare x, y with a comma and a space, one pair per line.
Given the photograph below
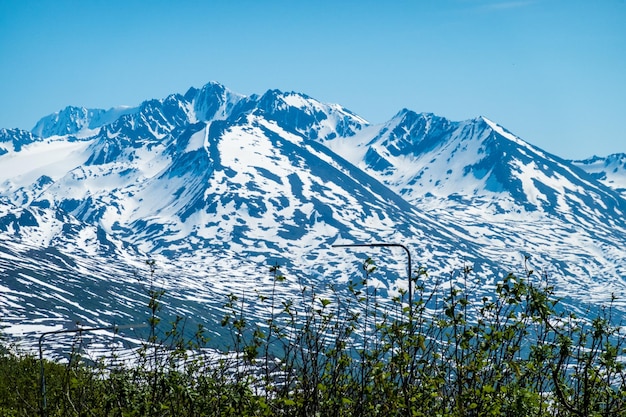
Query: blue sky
551, 71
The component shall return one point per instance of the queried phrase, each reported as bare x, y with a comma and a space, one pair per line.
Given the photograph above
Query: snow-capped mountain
611, 170
217, 186
418, 154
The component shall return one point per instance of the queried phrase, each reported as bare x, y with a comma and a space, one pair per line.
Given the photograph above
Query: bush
345, 352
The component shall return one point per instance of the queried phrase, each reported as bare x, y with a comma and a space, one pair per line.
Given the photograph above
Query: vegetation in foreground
346, 354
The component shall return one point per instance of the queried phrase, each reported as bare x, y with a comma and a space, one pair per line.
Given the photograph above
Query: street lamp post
393, 245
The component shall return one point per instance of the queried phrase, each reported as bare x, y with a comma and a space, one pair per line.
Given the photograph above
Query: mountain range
216, 187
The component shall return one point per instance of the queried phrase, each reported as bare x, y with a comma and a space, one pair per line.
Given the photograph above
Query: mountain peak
76, 120
213, 101
69, 120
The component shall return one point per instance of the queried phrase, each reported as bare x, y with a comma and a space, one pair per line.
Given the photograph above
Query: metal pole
44, 411
395, 245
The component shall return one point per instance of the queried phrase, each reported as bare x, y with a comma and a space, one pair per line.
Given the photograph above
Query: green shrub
346, 351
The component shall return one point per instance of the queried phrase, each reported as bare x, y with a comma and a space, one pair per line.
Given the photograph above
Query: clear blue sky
551, 71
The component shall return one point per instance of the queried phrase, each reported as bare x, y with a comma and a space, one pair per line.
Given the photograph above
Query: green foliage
344, 351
